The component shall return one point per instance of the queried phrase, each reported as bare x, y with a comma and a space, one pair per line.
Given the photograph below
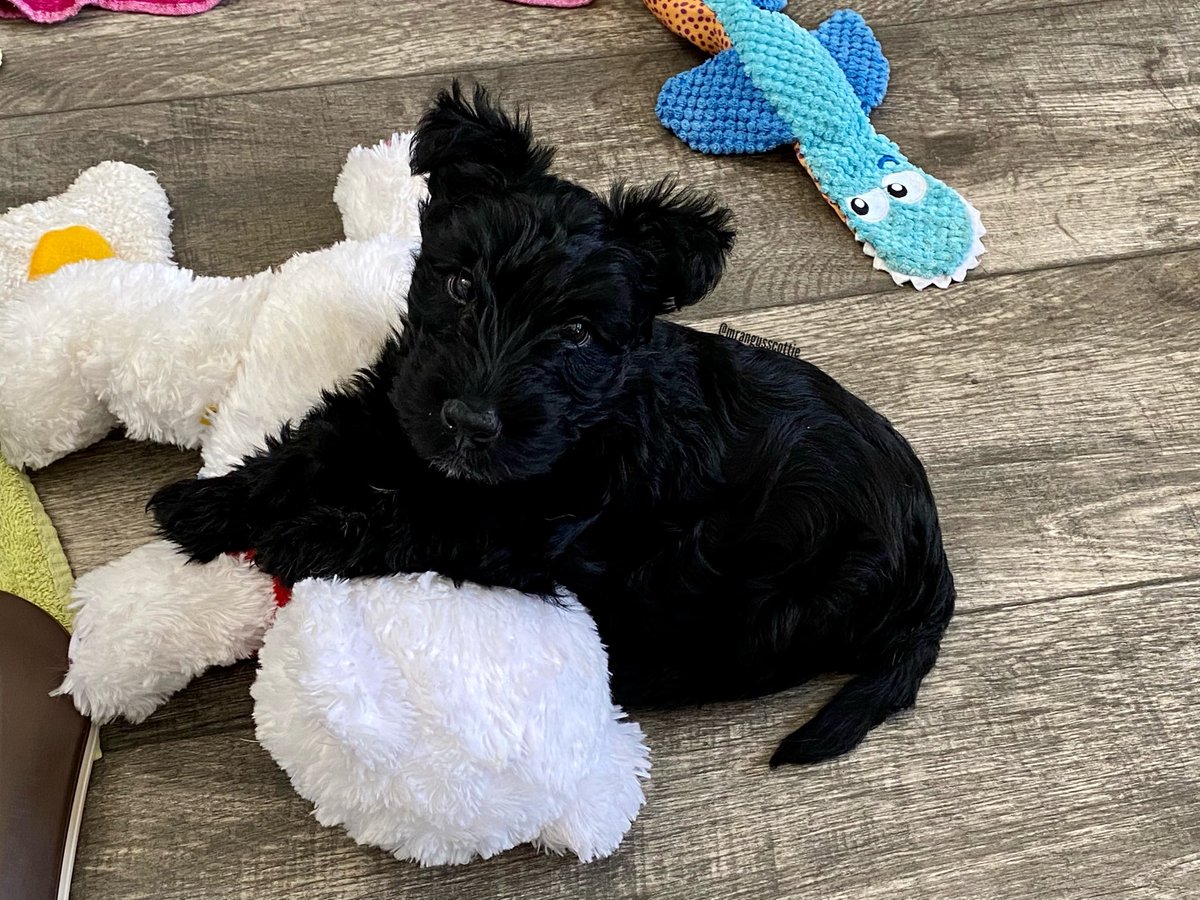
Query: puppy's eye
576, 333
460, 287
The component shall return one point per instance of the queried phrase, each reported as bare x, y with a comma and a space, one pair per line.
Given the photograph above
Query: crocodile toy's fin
716, 108
853, 46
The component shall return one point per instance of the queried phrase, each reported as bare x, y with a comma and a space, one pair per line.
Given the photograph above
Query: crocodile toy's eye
871, 206
905, 187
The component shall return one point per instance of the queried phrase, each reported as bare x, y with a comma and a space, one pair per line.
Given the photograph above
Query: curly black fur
735, 521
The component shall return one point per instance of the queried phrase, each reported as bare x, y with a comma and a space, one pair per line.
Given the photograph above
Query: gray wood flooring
1055, 398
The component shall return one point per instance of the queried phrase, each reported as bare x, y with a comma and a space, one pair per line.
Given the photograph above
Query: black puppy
734, 520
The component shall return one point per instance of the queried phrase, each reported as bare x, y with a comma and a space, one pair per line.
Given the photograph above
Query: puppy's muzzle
471, 428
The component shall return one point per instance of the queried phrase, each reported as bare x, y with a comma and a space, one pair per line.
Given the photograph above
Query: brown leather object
43, 747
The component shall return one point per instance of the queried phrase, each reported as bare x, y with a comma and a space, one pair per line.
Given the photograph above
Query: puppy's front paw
202, 516
323, 543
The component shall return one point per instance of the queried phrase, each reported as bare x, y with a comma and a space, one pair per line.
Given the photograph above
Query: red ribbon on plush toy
283, 593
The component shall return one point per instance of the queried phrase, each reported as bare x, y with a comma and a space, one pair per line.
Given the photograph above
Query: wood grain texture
1055, 398
1063, 173
246, 46
1051, 755
97, 498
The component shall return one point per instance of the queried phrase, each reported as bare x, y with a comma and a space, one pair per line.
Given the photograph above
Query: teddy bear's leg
606, 801
148, 623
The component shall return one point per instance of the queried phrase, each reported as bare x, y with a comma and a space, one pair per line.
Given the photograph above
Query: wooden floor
1055, 398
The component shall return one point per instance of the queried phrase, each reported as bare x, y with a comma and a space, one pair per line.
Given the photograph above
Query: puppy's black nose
470, 427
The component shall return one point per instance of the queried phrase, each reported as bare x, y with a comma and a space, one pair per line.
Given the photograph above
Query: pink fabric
561, 4
56, 10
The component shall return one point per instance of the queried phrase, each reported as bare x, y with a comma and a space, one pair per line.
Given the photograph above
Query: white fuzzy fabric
146, 625
104, 342
445, 723
377, 194
46, 408
123, 203
161, 351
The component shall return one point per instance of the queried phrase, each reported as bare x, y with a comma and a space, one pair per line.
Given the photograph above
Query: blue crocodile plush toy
773, 83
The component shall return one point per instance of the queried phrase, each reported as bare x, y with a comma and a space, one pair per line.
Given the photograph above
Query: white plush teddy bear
438, 722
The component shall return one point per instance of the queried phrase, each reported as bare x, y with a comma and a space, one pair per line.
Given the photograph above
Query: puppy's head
532, 295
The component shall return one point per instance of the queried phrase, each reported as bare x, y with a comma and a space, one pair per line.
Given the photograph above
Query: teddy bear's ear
462, 140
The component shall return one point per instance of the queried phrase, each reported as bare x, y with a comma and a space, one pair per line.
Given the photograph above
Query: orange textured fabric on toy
692, 21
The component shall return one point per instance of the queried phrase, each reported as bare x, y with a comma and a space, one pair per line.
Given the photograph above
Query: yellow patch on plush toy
64, 246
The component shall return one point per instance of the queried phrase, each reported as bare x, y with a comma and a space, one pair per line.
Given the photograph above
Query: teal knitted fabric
781, 79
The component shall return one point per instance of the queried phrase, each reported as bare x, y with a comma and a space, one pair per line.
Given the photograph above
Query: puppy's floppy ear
681, 238
461, 140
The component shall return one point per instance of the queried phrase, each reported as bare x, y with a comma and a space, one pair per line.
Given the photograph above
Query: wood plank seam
502, 68
1094, 593
492, 71
708, 322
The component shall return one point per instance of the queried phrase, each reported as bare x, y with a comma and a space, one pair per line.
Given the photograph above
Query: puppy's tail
867, 699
